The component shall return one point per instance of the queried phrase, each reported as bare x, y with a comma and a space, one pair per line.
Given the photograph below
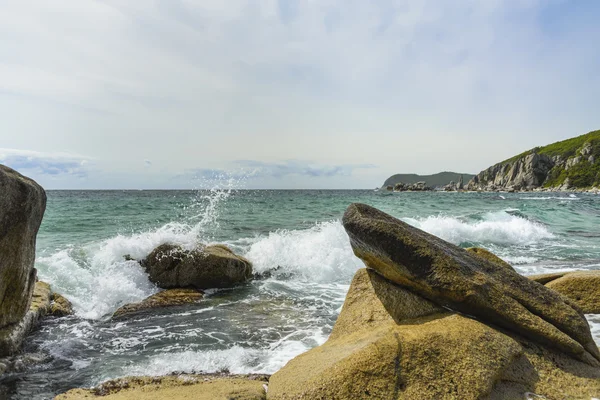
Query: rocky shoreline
423, 319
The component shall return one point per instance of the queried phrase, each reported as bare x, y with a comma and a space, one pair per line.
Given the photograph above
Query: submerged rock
456, 279
12, 336
22, 206
166, 298
60, 306
197, 387
390, 343
171, 266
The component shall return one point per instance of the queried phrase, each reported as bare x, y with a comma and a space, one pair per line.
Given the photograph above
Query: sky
169, 94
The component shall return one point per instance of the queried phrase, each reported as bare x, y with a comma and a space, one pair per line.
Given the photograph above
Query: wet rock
60, 306
166, 298
22, 206
12, 336
456, 279
182, 387
216, 266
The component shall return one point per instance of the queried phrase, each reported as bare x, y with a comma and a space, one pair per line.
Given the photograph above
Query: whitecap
499, 228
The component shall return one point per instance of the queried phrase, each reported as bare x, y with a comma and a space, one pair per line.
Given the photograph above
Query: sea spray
97, 279
499, 228
321, 253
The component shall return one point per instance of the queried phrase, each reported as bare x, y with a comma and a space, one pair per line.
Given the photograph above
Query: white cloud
412, 86
39, 163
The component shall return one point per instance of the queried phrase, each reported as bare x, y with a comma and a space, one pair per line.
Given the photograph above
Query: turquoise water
259, 326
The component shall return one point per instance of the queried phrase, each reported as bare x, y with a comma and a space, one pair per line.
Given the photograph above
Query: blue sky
288, 94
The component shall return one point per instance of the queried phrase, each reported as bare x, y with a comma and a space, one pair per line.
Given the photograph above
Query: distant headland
568, 165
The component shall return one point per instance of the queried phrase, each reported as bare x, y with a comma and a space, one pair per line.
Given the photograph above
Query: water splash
500, 228
97, 279
321, 253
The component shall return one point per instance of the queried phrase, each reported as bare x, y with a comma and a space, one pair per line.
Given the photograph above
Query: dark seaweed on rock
454, 278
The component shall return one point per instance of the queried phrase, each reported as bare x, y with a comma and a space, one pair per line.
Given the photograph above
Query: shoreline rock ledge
22, 206
429, 320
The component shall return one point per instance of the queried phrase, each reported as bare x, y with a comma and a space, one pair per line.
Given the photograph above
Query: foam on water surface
500, 228
257, 328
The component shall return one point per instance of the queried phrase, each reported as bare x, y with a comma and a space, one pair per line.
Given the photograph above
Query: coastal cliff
570, 164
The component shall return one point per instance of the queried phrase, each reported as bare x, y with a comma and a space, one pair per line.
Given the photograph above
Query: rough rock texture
166, 298
582, 287
420, 351
565, 165
20, 362
373, 301
412, 187
60, 306
545, 278
489, 256
22, 206
188, 387
170, 266
454, 278
527, 172
12, 336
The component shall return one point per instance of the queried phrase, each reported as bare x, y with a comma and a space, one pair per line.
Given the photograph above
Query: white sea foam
236, 360
518, 260
96, 278
571, 197
320, 254
499, 228
95, 287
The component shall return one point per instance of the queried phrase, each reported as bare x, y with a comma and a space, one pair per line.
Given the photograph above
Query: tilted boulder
491, 257
456, 279
390, 343
22, 206
166, 298
171, 266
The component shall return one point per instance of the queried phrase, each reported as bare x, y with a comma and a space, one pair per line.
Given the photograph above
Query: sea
296, 235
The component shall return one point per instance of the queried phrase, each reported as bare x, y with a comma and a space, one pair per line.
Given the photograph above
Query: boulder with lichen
217, 266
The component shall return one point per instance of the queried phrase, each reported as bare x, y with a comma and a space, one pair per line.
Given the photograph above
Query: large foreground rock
166, 298
12, 336
183, 387
171, 266
22, 206
389, 343
456, 279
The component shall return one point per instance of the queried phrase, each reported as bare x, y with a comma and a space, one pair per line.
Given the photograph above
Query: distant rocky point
435, 181
572, 164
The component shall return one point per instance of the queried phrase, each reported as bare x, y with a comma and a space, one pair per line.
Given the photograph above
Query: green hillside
435, 180
581, 175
